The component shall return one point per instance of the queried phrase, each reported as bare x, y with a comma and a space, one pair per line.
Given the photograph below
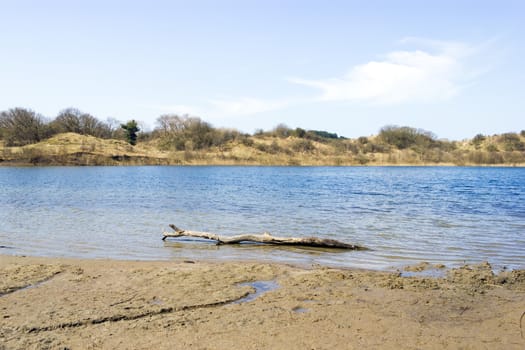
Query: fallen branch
263, 238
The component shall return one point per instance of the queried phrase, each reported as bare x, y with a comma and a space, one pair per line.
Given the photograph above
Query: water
405, 215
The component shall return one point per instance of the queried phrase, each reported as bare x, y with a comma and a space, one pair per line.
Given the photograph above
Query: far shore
81, 304
269, 149
26, 164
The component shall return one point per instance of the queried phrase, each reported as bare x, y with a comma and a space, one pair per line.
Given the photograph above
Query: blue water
405, 215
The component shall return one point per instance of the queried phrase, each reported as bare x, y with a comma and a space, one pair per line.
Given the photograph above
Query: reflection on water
405, 215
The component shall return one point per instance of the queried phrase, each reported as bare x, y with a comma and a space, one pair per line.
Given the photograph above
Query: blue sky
350, 67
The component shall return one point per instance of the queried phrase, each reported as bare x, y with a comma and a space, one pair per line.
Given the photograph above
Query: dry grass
74, 149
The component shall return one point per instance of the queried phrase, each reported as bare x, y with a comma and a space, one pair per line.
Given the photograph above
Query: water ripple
446, 215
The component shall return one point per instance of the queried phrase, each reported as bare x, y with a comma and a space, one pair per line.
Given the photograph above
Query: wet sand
48, 303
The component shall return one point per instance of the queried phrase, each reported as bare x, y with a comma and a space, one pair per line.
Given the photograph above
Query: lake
405, 215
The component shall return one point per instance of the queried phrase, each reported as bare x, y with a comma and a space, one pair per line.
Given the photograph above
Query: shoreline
17, 164
270, 149
79, 303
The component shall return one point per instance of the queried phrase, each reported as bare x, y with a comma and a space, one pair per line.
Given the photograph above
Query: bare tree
169, 123
68, 120
20, 126
73, 120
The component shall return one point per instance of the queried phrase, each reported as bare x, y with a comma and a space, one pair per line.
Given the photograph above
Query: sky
350, 67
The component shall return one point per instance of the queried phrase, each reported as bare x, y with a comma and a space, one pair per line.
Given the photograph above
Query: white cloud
247, 105
430, 71
179, 109
220, 109
401, 76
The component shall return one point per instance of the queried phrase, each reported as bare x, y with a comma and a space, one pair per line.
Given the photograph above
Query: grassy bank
265, 149
77, 138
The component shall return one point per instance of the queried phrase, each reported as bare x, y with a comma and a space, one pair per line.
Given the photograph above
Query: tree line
19, 126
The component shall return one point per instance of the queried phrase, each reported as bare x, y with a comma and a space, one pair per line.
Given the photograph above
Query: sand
48, 303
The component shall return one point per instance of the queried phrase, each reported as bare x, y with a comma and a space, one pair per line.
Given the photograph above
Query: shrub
273, 148
282, 131
512, 142
174, 131
478, 140
303, 146
405, 137
298, 132
492, 147
373, 147
73, 120
323, 134
247, 141
131, 128
21, 126
363, 140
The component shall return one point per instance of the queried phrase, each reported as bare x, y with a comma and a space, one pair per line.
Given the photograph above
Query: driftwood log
263, 238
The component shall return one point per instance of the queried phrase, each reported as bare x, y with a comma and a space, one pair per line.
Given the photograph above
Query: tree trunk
263, 238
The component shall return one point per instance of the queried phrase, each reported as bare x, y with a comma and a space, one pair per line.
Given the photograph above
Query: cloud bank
248, 105
435, 74
432, 71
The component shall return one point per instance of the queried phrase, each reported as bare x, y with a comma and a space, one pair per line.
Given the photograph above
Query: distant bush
179, 132
320, 136
272, 148
73, 120
298, 132
303, 146
478, 140
492, 147
323, 134
446, 146
247, 141
282, 130
373, 147
351, 147
362, 140
19, 127
511, 142
131, 128
405, 137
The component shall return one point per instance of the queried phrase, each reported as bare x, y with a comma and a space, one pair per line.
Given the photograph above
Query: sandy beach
49, 303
